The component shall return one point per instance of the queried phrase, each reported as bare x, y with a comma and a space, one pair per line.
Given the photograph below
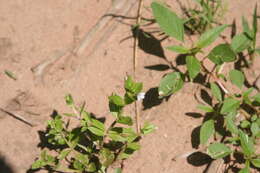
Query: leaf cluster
90, 146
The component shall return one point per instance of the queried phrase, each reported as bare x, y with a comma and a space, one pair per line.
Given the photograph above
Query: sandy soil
35, 30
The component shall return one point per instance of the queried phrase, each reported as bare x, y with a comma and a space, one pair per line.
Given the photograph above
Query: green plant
232, 118
204, 15
87, 145
247, 39
222, 53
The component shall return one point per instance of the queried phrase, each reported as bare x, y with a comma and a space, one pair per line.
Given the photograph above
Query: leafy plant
87, 145
222, 53
240, 132
247, 39
204, 15
233, 119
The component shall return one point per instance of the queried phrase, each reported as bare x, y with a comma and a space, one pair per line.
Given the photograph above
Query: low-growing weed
88, 145
233, 119
204, 15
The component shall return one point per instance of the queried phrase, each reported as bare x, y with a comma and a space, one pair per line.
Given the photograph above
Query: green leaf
168, 21
106, 157
121, 134
133, 87
134, 146
256, 162
254, 128
69, 100
78, 165
147, 128
230, 124
118, 170
218, 150
179, 49
82, 158
98, 124
247, 144
237, 78
205, 108
244, 170
117, 100
255, 21
130, 149
240, 42
210, 36
64, 153
193, 66
246, 97
216, 91
96, 131
38, 164
206, 131
257, 99
222, 53
91, 167
127, 120
254, 118
245, 124
116, 136
229, 105
170, 84
246, 28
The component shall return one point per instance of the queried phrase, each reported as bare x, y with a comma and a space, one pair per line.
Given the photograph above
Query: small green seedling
88, 145
204, 16
247, 39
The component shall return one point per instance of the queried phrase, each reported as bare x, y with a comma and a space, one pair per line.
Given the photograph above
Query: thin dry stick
17, 116
138, 20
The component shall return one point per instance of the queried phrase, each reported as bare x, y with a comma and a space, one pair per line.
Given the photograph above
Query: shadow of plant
4, 166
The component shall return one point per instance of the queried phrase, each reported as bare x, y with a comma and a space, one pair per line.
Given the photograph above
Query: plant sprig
90, 146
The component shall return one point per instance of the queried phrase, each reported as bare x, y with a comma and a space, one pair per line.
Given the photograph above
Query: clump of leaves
234, 120
90, 146
204, 15
247, 39
173, 26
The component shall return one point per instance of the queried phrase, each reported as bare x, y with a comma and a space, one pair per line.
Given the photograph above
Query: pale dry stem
135, 56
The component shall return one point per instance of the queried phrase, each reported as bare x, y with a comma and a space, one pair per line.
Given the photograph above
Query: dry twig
17, 116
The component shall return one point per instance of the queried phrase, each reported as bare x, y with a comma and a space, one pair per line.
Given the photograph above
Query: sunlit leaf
229, 105
237, 78
179, 49
218, 150
193, 66
222, 53
206, 131
210, 36
240, 42
216, 91
247, 144
170, 84
168, 21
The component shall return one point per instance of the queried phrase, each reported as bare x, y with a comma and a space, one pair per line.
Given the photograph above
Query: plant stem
138, 20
